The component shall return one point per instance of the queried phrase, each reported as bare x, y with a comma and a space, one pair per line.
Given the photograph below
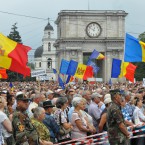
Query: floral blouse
64, 119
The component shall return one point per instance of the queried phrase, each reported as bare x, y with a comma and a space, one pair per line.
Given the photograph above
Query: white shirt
138, 116
32, 105
4, 117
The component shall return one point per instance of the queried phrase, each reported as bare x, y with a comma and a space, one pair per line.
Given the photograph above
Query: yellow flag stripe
143, 50
6, 47
80, 71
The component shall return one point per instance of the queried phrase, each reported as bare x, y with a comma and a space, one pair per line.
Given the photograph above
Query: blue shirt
130, 109
70, 112
51, 125
126, 115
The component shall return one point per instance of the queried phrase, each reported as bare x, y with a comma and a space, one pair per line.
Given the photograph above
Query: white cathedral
79, 32
45, 55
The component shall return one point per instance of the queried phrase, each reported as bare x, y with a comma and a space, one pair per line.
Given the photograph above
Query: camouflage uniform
114, 118
23, 131
41, 129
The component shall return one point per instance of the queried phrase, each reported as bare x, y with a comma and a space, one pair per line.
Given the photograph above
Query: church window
49, 63
39, 64
49, 46
48, 34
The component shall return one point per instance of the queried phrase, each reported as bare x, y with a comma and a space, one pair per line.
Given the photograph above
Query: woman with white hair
43, 132
80, 125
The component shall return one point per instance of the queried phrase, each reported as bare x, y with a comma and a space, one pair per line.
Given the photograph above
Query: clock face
93, 29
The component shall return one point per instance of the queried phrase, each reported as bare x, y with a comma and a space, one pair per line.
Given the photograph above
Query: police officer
117, 131
23, 131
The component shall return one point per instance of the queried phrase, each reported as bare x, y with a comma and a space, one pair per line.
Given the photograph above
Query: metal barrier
93, 139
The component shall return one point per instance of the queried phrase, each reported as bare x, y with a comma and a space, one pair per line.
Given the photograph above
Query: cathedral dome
48, 27
38, 52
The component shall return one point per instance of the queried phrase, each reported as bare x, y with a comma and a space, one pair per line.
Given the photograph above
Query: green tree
14, 35
140, 70
142, 37
31, 65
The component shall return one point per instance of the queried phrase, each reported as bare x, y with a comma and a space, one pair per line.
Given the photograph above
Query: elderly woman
139, 118
62, 118
5, 124
138, 115
80, 124
43, 132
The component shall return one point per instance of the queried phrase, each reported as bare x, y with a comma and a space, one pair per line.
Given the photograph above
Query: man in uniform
23, 131
117, 131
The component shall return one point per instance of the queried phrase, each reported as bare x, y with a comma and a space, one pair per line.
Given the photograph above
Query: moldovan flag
134, 49
88, 73
13, 56
3, 74
96, 55
123, 69
80, 71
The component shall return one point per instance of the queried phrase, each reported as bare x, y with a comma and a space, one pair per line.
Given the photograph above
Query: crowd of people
41, 113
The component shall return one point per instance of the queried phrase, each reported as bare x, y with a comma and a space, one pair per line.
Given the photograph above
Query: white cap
75, 87
4, 91
107, 100
96, 95
49, 92
107, 96
58, 90
104, 88
18, 93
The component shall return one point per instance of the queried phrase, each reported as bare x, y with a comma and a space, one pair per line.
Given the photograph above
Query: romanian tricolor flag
123, 69
3, 74
96, 55
134, 49
13, 56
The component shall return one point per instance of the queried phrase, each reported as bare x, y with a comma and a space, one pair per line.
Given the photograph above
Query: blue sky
31, 30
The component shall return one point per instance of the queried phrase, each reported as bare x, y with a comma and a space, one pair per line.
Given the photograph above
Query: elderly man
37, 98
49, 121
128, 106
49, 95
117, 131
95, 110
87, 95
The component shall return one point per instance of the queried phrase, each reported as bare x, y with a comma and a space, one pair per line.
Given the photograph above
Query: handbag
62, 130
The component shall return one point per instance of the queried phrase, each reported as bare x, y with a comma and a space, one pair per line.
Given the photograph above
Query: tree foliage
140, 71
14, 34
